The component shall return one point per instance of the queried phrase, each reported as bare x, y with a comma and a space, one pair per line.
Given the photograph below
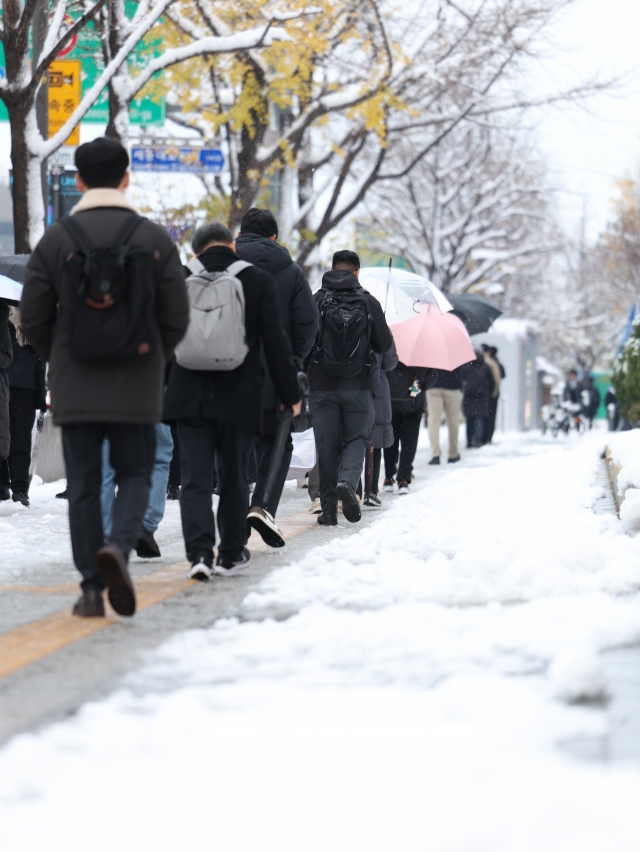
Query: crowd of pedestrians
180, 382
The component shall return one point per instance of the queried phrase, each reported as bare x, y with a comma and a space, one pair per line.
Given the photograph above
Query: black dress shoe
454, 459
327, 520
90, 604
147, 546
62, 495
112, 566
5, 493
435, 460
21, 497
350, 502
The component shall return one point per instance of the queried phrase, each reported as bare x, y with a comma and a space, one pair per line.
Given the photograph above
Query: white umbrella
416, 287
399, 306
10, 291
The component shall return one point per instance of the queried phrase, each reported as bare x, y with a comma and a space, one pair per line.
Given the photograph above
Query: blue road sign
169, 158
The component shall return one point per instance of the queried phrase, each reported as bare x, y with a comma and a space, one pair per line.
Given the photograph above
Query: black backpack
109, 306
343, 346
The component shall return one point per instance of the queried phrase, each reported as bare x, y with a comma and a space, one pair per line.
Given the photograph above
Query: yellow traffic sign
65, 93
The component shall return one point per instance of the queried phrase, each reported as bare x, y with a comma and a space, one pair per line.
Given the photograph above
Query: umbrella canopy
476, 312
14, 266
432, 339
399, 306
10, 291
418, 288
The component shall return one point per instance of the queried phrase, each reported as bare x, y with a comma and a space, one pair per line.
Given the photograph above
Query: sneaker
226, 567
403, 488
173, 492
264, 524
112, 566
435, 460
327, 520
454, 459
200, 568
303, 482
21, 497
316, 507
90, 604
350, 502
372, 500
146, 546
387, 485
5, 493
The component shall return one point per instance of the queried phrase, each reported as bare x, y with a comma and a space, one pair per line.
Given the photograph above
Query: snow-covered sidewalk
404, 688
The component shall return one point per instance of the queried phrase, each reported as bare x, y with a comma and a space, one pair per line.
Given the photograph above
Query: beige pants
449, 400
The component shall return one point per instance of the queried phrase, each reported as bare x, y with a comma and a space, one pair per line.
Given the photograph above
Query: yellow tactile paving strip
38, 639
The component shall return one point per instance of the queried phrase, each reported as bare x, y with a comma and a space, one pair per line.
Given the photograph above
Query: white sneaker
200, 571
388, 486
403, 488
227, 568
316, 507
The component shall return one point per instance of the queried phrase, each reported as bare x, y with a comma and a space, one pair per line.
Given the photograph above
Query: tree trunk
26, 189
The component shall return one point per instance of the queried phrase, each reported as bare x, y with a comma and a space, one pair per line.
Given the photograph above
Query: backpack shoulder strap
125, 233
77, 234
238, 266
196, 266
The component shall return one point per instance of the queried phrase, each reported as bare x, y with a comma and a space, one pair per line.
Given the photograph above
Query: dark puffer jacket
400, 382
6, 357
27, 370
383, 432
297, 306
478, 385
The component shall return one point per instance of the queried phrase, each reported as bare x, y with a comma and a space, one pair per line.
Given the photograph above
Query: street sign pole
40, 25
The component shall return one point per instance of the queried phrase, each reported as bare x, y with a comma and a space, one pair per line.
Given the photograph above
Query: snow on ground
403, 688
624, 448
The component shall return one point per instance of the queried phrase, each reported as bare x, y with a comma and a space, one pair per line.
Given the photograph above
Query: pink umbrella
432, 339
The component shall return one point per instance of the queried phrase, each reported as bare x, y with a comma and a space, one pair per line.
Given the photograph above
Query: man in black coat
342, 408
121, 400
257, 244
218, 414
407, 388
28, 394
6, 356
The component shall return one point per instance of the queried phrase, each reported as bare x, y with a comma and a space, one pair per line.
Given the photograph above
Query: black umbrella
476, 312
14, 267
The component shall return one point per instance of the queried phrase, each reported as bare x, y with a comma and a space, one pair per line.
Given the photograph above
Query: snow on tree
20, 87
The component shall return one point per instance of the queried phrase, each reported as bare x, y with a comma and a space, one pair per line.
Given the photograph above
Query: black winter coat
118, 392
235, 396
448, 380
383, 432
401, 380
298, 311
478, 385
6, 357
27, 370
381, 337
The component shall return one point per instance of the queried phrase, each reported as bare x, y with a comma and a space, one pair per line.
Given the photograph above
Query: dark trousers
342, 424
132, 450
206, 445
490, 424
406, 431
175, 475
264, 448
14, 471
377, 461
475, 431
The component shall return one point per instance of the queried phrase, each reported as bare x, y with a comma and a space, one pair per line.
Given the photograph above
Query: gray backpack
216, 338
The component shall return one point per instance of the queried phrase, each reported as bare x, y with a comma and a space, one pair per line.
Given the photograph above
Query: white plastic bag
304, 454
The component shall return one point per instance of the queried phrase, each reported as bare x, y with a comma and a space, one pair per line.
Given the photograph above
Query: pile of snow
624, 452
405, 687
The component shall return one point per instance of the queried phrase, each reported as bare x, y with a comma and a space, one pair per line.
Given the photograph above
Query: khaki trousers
449, 400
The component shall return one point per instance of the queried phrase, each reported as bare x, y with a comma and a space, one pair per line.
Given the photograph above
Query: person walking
444, 393
27, 395
407, 386
6, 357
257, 244
341, 378
590, 399
477, 385
493, 365
118, 280
218, 411
572, 389
383, 419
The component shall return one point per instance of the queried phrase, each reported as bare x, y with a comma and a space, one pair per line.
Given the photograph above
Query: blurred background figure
478, 385
572, 388
444, 394
495, 393
27, 395
590, 398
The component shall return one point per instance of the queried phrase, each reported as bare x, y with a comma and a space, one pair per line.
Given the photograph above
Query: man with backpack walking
257, 244
119, 285
214, 394
341, 376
